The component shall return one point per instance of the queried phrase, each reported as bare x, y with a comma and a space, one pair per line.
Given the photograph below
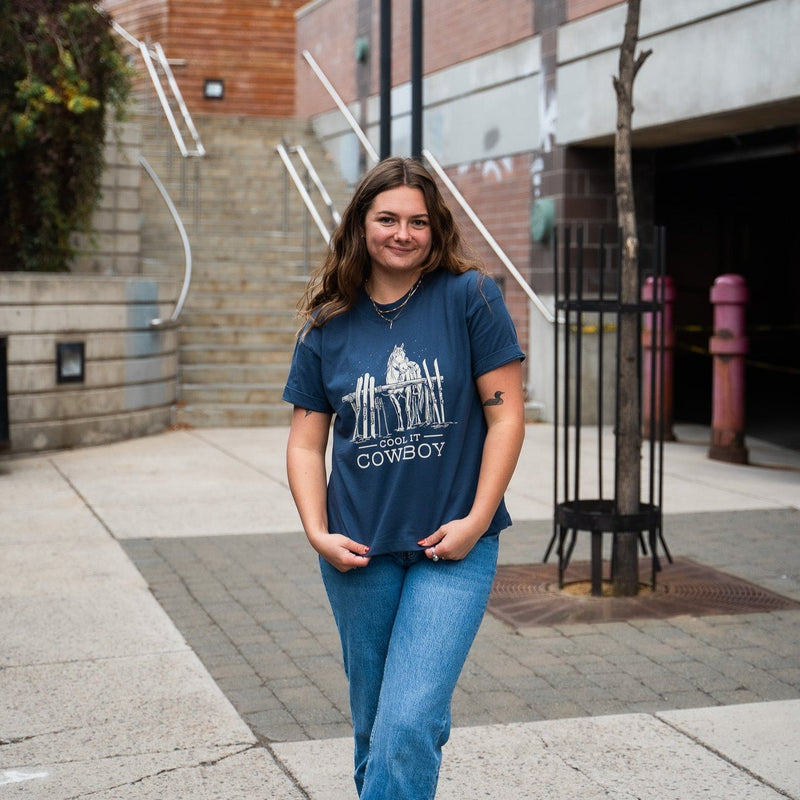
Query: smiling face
397, 232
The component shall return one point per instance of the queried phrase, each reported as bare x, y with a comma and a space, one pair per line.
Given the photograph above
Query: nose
403, 231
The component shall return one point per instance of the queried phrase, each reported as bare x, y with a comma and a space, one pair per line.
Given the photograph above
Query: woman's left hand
453, 541
504, 409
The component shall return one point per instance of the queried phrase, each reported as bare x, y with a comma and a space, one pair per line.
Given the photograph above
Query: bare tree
629, 443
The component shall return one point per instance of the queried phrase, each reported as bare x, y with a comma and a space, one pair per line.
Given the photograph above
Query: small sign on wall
69, 362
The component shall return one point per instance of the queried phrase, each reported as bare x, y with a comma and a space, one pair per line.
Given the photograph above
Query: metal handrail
187, 250
176, 92
490, 240
314, 175
309, 203
148, 55
362, 137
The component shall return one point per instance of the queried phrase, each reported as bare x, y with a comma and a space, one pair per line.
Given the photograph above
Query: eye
420, 223
386, 220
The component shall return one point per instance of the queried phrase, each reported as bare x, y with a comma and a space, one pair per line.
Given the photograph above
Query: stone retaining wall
130, 369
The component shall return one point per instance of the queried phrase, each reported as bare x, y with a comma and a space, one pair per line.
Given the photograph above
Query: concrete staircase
252, 255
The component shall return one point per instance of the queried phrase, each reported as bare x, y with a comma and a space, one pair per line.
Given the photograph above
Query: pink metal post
728, 346
651, 339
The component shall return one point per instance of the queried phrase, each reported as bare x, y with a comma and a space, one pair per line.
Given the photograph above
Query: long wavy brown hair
334, 287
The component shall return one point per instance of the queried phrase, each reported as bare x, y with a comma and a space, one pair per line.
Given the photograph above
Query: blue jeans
406, 625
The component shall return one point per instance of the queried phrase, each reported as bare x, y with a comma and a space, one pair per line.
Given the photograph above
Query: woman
409, 346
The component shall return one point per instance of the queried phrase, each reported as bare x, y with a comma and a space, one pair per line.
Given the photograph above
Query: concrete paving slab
323, 768
200, 774
45, 567
98, 620
37, 504
626, 756
763, 738
95, 710
220, 494
266, 451
692, 481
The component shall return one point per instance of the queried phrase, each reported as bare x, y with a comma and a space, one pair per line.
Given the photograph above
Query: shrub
62, 79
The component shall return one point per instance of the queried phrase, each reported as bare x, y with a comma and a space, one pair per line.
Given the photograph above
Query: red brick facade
452, 33
499, 192
248, 45
583, 8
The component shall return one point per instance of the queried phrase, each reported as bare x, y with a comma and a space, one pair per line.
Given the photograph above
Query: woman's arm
501, 394
305, 467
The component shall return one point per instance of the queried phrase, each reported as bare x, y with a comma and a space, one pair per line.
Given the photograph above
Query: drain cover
527, 595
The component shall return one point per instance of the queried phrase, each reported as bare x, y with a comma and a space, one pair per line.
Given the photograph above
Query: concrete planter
129, 382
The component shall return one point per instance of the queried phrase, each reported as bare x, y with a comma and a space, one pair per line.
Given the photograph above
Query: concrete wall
129, 385
115, 247
711, 60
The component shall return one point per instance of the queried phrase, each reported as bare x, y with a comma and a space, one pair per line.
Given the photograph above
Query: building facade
246, 49
519, 108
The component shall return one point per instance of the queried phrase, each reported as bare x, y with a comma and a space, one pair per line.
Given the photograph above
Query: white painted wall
709, 57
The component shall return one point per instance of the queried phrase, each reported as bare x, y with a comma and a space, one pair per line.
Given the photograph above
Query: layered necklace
391, 314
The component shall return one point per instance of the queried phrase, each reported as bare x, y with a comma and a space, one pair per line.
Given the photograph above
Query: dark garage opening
731, 206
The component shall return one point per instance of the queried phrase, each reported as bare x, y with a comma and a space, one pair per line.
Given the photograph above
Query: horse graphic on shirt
416, 398
405, 389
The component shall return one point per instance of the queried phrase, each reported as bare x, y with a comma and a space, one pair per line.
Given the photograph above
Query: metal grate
528, 595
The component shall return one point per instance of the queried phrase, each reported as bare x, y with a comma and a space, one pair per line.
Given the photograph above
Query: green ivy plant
63, 79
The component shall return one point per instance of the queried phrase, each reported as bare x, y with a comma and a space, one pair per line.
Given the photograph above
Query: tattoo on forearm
497, 400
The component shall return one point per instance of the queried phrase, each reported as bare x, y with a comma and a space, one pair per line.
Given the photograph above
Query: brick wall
456, 32
452, 33
583, 8
499, 193
249, 45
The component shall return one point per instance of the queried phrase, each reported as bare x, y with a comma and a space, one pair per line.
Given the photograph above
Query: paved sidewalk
165, 635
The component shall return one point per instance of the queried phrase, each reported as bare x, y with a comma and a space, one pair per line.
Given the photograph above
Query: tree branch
640, 59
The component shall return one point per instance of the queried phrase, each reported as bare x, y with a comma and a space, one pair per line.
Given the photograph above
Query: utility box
5, 439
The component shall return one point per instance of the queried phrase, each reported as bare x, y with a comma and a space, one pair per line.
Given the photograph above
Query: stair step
213, 354
213, 337
245, 301
225, 283
231, 394
234, 416
230, 374
253, 249
278, 321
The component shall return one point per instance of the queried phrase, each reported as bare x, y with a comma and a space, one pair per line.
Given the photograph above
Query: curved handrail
187, 249
309, 203
490, 240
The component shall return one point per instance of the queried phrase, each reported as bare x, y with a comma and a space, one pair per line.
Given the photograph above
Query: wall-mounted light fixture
213, 89
70, 357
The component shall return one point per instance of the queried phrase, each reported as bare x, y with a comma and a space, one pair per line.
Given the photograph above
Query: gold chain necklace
397, 310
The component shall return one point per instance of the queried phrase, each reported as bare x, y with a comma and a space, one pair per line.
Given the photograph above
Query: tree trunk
629, 443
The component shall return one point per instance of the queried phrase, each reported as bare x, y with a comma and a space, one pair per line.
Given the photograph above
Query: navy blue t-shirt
409, 426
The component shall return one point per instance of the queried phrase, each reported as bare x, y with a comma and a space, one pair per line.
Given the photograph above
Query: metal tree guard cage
598, 513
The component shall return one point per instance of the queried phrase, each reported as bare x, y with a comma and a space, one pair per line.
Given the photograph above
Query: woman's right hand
341, 552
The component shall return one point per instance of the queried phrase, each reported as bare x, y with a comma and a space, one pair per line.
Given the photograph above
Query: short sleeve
304, 386
493, 337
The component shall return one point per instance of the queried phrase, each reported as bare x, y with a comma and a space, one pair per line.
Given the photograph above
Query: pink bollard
651, 339
728, 346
